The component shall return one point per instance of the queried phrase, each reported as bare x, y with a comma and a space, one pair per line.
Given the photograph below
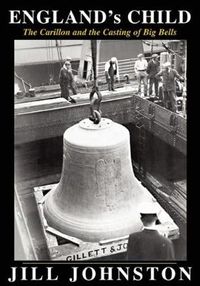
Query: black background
9, 33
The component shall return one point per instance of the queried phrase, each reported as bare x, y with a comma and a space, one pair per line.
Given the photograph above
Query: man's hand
117, 79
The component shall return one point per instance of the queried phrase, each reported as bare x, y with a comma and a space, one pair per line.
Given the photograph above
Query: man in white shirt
111, 70
141, 74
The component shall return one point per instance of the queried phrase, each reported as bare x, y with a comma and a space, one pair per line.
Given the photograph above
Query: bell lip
93, 232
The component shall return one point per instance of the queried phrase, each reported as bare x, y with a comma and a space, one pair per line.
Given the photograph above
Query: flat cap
113, 59
68, 59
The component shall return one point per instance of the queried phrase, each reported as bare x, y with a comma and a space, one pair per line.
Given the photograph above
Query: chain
95, 113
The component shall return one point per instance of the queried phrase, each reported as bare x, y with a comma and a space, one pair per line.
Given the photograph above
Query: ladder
141, 147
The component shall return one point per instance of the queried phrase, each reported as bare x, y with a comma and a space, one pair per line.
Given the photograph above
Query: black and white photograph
100, 150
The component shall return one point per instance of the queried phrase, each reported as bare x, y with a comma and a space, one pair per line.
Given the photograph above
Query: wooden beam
48, 119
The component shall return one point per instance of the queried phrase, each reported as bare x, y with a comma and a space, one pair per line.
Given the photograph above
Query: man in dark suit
152, 69
66, 79
148, 244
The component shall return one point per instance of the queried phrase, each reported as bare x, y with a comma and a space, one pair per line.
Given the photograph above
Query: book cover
98, 115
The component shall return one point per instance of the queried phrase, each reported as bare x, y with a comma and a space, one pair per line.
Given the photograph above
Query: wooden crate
68, 248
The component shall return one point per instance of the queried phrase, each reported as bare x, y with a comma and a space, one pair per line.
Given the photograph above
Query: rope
59, 53
50, 65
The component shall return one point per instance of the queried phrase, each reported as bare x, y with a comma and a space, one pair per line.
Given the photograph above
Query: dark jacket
169, 79
66, 77
149, 245
153, 68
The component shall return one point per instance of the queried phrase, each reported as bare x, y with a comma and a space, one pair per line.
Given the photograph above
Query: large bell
98, 195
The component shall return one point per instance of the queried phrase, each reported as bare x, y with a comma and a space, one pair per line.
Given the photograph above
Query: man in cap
111, 70
68, 59
140, 71
169, 85
152, 69
66, 79
148, 244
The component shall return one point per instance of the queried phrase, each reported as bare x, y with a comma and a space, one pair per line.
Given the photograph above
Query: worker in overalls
66, 79
148, 244
169, 86
141, 72
111, 71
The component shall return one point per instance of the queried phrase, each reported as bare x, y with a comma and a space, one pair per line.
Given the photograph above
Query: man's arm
117, 70
132, 248
146, 64
159, 74
136, 67
178, 75
61, 76
107, 68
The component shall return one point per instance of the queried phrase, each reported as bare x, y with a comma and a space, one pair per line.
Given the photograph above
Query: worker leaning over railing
169, 86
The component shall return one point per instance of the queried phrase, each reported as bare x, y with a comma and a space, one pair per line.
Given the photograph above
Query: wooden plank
50, 239
27, 186
63, 235
37, 97
182, 186
24, 248
87, 251
40, 105
33, 223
